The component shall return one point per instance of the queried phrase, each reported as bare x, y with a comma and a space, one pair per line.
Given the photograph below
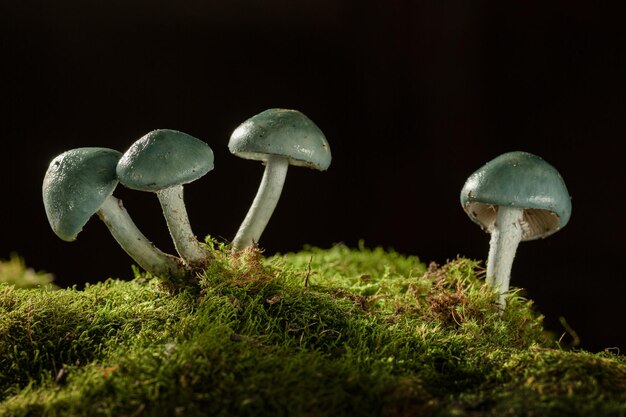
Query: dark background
413, 97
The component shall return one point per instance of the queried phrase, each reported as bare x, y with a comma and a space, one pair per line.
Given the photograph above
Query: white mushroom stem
175, 213
136, 245
264, 203
505, 237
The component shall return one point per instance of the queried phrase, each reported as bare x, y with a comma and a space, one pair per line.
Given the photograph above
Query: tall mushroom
161, 162
278, 138
515, 197
78, 184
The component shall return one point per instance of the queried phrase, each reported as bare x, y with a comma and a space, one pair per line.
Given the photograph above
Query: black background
413, 97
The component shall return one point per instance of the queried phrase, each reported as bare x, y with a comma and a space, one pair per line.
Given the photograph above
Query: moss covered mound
336, 332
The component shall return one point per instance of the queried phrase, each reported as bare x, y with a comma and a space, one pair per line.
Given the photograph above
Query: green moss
15, 272
318, 333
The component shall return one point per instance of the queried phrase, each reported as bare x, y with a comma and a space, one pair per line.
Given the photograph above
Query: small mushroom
515, 197
161, 162
78, 184
278, 138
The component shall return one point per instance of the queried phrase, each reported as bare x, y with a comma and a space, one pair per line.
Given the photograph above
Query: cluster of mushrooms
515, 197
80, 183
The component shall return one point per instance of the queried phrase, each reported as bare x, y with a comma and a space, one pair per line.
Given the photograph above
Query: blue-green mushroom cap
523, 180
164, 158
282, 132
75, 185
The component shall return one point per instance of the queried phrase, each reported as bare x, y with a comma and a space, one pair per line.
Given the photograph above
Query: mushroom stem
136, 245
175, 213
264, 203
505, 238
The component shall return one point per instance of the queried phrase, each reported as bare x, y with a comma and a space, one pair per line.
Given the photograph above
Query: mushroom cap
282, 132
164, 158
75, 185
523, 180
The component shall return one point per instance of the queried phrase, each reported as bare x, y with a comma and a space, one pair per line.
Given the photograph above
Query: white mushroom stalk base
264, 203
136, 245
175, 214
505, 238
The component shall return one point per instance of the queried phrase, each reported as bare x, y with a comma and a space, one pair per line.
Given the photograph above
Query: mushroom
161, 162
78, 184
515, 197
278, 138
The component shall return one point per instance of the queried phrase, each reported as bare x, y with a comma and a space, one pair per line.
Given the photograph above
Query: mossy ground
335, 332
